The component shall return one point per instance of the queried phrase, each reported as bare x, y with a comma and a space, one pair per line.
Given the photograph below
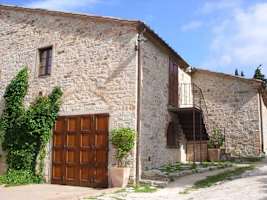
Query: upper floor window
45, 62
173, 84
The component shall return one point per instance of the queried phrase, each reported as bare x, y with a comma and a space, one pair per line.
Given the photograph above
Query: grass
144, 189
212, 180
94, 198
170, 168
120, 191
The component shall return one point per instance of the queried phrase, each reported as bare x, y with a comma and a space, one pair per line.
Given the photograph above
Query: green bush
19, 177
216, 139
26, 132
123, 140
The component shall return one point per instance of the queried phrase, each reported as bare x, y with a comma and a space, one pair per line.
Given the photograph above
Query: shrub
123, 140
216, 139
19, 177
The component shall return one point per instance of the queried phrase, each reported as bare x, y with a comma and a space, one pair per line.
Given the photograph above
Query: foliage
171, 168
144, 188
123, 140
216, 139
211, 180
26, 132
236, 72
19, 177
223, 176
259, 75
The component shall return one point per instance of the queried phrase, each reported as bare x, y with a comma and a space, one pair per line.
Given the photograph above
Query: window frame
49, 59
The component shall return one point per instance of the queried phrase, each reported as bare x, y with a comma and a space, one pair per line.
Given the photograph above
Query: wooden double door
80, 151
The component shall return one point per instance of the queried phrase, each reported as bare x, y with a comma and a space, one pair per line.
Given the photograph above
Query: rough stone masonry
233, 107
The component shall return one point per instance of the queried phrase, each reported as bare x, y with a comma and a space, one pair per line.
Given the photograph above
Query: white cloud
219, 5
191, 26
240, 40
63, 4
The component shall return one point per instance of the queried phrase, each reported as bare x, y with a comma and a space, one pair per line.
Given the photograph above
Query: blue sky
219, 35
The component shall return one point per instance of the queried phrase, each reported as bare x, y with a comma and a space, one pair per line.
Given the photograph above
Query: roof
259, 84
256, 82
140, 26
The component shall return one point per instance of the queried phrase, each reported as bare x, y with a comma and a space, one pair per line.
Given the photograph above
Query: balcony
193, 116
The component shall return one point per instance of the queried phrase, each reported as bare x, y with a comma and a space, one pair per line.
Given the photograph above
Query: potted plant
123, 140
216, 141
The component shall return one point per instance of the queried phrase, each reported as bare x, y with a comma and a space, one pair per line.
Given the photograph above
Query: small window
172, 137
45, 62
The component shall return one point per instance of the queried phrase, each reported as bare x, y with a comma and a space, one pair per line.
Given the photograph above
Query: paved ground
253, 186
48, 192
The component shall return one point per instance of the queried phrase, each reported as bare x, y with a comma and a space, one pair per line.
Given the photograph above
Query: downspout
139, 87
261, 123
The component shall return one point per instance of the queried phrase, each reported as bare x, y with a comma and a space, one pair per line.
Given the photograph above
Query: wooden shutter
173, 84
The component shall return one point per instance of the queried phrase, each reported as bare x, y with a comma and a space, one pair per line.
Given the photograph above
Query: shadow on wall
120, 68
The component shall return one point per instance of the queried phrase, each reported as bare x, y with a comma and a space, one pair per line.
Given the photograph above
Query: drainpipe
139, 87
261, 123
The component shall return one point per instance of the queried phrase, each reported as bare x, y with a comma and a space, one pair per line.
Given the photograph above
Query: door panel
80, 151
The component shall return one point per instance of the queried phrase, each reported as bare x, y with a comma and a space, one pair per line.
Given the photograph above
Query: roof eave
142, 27
256, 82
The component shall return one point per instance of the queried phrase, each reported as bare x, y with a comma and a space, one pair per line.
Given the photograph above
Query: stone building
237, 106
115, 73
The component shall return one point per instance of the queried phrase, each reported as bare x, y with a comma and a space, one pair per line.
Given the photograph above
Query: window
45, 62
173, 84
172, 136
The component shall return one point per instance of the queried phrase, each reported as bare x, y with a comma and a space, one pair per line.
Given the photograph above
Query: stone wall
233, 106
264, 120
155, 116
93, 62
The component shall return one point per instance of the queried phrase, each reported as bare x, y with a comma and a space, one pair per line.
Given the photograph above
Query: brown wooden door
80, 151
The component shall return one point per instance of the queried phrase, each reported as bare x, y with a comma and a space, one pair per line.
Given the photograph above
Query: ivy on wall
26, 132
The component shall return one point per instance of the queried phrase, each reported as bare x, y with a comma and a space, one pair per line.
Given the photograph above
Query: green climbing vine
26, 132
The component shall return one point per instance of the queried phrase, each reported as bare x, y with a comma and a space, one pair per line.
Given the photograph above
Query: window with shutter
45, 61
173, 84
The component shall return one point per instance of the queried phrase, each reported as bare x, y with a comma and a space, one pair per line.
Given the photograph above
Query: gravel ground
252, 185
